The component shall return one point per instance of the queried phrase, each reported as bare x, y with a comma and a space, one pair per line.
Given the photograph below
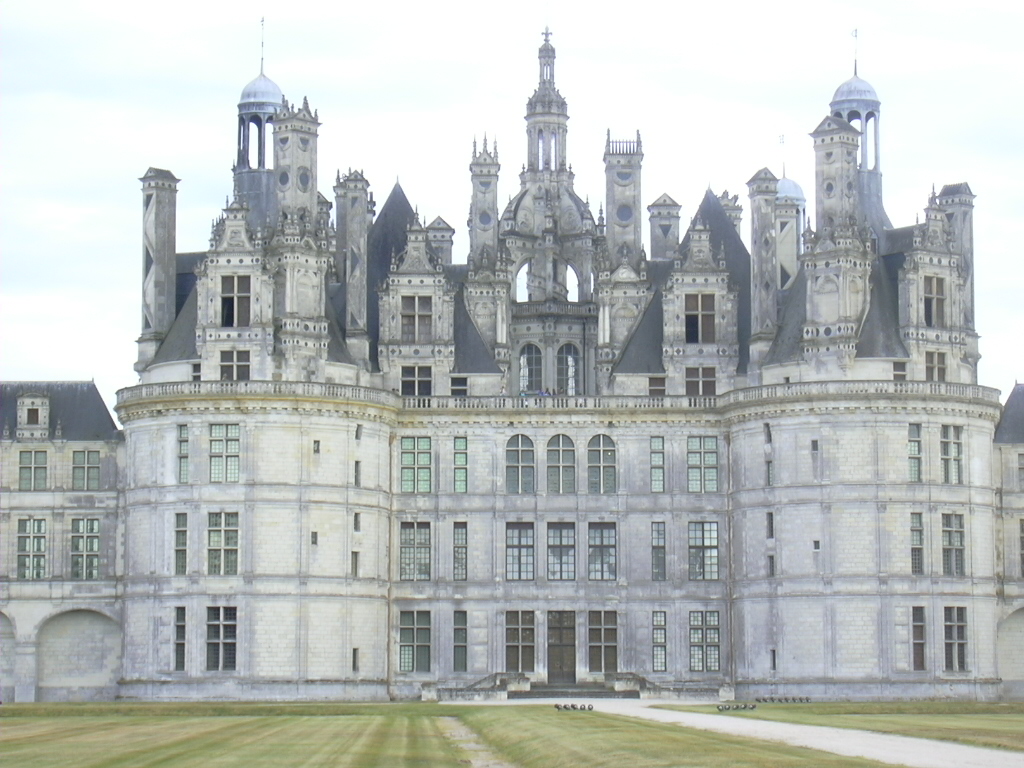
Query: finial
855, 53
546, 33
262, 29
782, 144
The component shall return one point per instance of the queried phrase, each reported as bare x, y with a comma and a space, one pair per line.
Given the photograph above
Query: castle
354, 468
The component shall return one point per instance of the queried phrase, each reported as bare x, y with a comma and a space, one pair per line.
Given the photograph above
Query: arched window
561, 465
572, 284
522, 286
569, 380
530, 365
601, 465
519, 465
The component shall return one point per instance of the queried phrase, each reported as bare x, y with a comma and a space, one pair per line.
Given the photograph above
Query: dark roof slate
642, 352
785, 346
880, 334
180, 341
956, 190
76, 405
1011, 425
386, 240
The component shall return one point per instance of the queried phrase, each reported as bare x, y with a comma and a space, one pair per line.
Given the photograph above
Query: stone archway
1010, 654
79, 657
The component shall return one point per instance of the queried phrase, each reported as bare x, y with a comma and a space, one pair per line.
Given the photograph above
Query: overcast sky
92, 94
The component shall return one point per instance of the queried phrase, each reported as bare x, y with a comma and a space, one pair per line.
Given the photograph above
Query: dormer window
235, 298
935, 302
417, 320
700, 318
32, 416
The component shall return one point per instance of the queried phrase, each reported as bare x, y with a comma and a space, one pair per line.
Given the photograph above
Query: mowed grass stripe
543, 738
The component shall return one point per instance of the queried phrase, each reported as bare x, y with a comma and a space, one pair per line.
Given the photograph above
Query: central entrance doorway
561, 646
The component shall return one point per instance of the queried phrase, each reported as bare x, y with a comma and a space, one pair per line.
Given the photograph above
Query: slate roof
77, 405
951, 190
337, 350
880, 335
1011, 425
472, 354
387, 239
793, 300
642, 351
180, 341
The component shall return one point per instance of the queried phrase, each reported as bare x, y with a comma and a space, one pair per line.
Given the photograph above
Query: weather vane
855, 53
546, 33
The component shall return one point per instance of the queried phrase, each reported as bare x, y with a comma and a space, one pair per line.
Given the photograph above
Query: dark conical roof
1011, 426
386, 240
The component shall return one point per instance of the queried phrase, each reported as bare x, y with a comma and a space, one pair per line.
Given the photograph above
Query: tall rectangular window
917, 638
659, 650
461, 456
601, 552
180, 543
354, 563
417, 380
222, 544
179, 639
952, 545
561, 465
934, 366
414, 641
235, 300
32, 470
703, 551
460, 552
519, 554
955, 628
1022, 548
659, 570
85, 470
700, 381
416, 465
85, 548
702, 464
520, 465
221, 638
520, 641
603, 641
1020, 471
657, 465
31, 548
234, 365
914, 453
934, 302
705, 642
771, 565
183, 453
561, 551
769, 525
699, 316
916, 543
952, 453
417, 319
460, 642
414, 552
225, 442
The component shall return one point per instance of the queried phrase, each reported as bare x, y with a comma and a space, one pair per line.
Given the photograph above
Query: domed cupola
261, 99
546, 116
856, 102
790, 190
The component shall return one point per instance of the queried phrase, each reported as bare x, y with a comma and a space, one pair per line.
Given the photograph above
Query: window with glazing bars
916, 543
659, 571
569, 379
702, 464
183, 453
519, 551
601, 472
561, 551
914, 453
235, 299
222, 544
953, 545
221, 638
460, 642
85, 548
32, 470
520, 641
180, 543
414, 641
705, 639
414, 552
520, 465
657, 465
934, 366
955, 629
461, 462
699, 316
417, 320
561, 465
601, 553
225, 442
460, 551
85, 470
31, 548
179, 639
603, 641
952, 450
917, 637
703, 551
659, 640
700, 381
934, 302
417, 380
416, 464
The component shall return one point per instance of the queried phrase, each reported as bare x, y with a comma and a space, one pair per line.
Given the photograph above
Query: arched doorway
79, 657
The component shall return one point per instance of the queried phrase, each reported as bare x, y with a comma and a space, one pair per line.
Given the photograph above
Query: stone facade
354, 468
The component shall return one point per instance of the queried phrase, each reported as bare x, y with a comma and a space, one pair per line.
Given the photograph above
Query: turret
483, 208
258, 107
622, 161
546, 117
295, 163
764, 267
354, 206
159, 270
664, 217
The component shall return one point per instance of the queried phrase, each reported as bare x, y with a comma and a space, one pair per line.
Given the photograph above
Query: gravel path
883, 747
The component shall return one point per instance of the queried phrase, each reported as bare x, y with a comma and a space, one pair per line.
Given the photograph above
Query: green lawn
387, 735
980, 724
